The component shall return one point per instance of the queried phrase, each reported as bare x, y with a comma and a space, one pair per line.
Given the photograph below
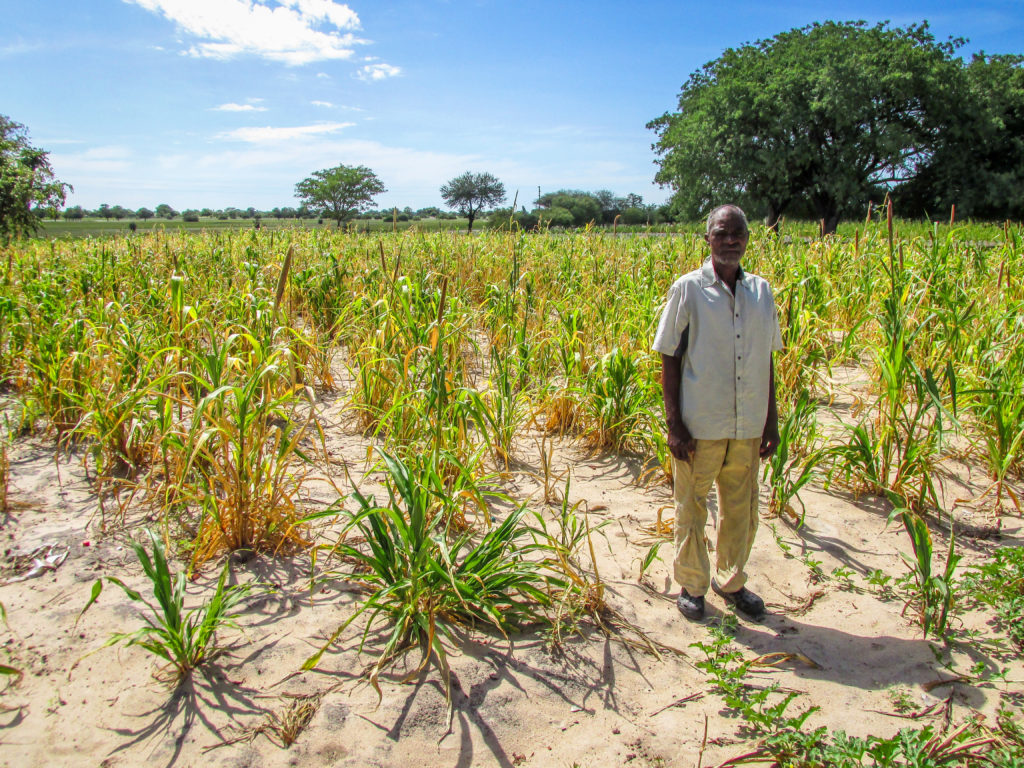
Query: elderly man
716, 338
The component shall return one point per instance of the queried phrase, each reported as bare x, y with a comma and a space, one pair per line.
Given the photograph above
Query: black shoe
745, 601
691, 606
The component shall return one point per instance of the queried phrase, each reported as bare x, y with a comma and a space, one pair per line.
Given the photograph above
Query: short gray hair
722, 209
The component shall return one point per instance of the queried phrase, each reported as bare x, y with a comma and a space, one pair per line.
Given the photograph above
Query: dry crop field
313, 498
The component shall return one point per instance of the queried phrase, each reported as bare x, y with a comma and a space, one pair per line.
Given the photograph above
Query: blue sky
211, 103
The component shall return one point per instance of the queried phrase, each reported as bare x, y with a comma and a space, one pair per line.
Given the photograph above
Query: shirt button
737, 335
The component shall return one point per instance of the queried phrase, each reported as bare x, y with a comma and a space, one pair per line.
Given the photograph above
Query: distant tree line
576, 208
165, 211
564, 208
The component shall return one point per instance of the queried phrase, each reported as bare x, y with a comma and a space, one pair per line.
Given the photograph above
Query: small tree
582, 206
164, 211
144, 213
26, 181
472, 192
340, 192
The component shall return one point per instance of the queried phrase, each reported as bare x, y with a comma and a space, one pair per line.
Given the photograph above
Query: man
716, 337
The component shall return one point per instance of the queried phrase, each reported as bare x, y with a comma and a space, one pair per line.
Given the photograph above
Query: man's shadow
869, 662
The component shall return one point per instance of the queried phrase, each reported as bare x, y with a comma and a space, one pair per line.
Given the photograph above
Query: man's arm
770, 436
680, 441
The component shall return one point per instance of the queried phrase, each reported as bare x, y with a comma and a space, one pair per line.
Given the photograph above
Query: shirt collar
709, 277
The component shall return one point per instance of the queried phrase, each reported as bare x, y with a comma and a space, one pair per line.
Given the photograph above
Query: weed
763, 709
901, 699
786, 470
814, 566
426, 583
843, 576
185, 640
932, 595
879, 578
999, 584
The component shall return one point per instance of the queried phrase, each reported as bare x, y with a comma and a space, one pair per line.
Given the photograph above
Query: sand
591, 701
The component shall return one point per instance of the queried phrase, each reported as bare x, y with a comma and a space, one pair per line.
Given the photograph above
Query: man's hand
770, 435
769, 441
680, 442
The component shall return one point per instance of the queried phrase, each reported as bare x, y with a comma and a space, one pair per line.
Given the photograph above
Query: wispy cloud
282, 133
95, 160
325, 104
290, 31
20, 48
380, 71
232, 107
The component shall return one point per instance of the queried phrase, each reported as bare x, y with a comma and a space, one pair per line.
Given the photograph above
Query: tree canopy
26, 181
472, 192
340, 192
569, 207
979, 164
819, 118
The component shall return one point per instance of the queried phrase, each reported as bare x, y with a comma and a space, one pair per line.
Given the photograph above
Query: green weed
183, 639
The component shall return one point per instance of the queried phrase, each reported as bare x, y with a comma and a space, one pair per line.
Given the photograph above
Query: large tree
472, 192
979, 165
26, 181
818, 118
340, 192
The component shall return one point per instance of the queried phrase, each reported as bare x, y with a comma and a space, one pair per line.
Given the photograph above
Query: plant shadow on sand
517, 663
195, 699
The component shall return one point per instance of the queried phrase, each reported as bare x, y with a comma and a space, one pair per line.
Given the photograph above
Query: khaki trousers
732, 465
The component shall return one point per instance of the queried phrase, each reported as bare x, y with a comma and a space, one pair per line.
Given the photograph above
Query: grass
184, 639
426, 580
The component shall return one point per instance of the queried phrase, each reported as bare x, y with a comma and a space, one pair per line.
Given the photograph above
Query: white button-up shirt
728, 344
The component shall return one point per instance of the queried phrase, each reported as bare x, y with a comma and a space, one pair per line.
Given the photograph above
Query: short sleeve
674, 320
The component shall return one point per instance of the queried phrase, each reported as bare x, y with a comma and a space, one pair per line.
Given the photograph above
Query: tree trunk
828, 213
831, 223
774, 217
472, 215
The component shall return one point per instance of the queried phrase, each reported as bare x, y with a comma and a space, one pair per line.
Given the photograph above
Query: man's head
727, 235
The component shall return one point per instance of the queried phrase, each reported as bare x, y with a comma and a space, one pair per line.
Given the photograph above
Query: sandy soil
593, 702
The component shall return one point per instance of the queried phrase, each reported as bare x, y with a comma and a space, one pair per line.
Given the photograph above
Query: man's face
727, 238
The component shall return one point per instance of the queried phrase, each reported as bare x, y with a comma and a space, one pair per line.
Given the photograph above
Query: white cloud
283, 133
20, 48
290, 31
325, 104
95, 160
232, 107
378, 72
